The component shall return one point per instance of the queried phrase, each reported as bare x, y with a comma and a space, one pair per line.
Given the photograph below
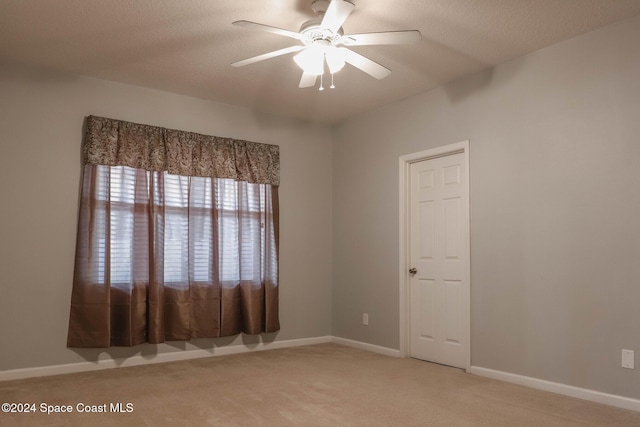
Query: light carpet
318, 385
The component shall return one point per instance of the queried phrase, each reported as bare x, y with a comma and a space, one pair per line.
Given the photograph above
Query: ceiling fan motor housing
311, 32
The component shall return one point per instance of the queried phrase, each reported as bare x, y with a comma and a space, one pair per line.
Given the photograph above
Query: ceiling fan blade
337, 12
307, 80
390, 37
365, 64
267, 28
268, 55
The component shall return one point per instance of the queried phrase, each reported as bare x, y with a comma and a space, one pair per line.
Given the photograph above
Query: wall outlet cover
628, 359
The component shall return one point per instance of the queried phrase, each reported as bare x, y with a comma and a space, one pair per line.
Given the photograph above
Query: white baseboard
566, 390
17, 374
365, 346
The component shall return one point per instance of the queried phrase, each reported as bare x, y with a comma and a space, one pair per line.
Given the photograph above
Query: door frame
405, 162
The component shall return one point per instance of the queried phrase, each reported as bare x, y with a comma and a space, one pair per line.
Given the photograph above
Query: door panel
452, 229
427, 230
425, 298
453, 311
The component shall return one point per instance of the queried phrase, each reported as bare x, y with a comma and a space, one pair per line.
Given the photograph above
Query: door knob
413, 270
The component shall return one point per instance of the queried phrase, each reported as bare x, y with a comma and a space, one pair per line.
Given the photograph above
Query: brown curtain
177, 237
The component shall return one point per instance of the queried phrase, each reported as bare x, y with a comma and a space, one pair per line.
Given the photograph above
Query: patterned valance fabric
118, 143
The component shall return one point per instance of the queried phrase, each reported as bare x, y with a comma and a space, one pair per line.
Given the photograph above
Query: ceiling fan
323, 42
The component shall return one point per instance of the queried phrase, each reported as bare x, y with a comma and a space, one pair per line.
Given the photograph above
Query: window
188, 227
177, 237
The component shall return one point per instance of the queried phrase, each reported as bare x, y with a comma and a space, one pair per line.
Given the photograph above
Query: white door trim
404, 164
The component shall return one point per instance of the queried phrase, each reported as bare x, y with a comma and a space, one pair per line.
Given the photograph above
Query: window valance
112, 142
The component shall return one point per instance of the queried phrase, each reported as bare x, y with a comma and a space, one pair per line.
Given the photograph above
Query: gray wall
41, 118
555, 210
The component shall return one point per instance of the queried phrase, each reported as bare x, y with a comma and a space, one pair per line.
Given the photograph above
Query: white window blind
197, 215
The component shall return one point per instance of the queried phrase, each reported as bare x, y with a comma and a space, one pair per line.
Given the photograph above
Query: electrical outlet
627, 359
365, 319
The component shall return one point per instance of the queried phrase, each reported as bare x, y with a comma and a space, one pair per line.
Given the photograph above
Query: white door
439, 291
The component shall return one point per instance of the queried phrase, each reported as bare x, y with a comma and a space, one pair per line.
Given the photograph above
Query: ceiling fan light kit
322, 39
312, 59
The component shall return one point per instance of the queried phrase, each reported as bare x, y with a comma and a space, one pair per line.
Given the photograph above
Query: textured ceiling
187, 46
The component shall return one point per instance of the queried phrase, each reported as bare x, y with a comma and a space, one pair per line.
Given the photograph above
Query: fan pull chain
321, 88
332, 85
